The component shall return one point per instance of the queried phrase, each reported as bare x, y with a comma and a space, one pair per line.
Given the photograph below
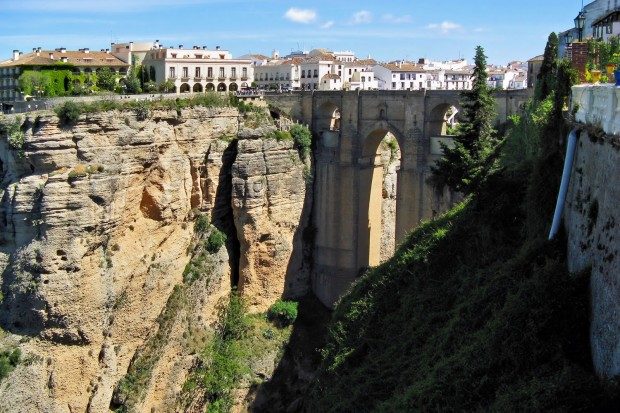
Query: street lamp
568, 38
580, 22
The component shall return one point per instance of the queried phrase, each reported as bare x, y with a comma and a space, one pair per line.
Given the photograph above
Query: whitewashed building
278, 75
199, 69
400, 76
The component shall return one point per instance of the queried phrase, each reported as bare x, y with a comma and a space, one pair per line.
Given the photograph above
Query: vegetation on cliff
232, 356
476, 310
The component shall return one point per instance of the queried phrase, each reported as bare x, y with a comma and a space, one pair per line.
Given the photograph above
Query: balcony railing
221, 78
209, 78
244, 78
198, 78
184, 78
233, 77
172, 77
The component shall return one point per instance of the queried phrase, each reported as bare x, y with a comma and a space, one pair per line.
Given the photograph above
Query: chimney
217, 48
107, 50
51, 55
180, 46
34, 49
130, 46
63, 59
15, 55
86, 50
63, 50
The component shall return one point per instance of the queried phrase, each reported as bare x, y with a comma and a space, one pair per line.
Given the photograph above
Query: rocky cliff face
96, 221
272, 203
593, 232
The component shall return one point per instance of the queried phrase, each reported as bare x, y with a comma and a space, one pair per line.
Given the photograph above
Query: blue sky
385, 30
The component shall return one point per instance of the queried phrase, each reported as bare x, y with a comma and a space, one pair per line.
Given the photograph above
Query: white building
330, 82
400, 76
458, 79
278, 75
133, 52
359, 75
199, 69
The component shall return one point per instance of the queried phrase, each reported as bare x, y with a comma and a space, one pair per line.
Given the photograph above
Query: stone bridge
348, 181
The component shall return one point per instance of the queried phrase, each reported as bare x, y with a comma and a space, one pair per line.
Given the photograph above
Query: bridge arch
378, 189
327, 117
440, 116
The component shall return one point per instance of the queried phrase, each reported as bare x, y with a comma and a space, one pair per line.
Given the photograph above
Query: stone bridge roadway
348, 178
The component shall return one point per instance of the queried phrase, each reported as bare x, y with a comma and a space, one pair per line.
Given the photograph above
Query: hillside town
198, 69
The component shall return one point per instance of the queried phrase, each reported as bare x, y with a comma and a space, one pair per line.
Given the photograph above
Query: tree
546, 77
106, 79
465, 164
33, 83
132, 82
167, 86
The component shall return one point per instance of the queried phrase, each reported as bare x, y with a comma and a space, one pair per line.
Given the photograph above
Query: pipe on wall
568, 167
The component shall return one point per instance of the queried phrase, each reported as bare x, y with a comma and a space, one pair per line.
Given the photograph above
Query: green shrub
303, 140
15, 135
142, 110
8, 361
215, 241
202, 224
283, 313
280, 135
68, 113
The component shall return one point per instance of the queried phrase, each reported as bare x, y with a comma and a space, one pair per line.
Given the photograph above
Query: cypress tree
463, 166
546, 78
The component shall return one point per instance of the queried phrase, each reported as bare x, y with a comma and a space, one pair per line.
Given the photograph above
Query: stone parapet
598, 105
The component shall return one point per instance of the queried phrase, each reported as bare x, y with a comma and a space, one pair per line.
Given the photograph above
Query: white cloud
327, 25
445, 27
390, 18
304, 16
362, 17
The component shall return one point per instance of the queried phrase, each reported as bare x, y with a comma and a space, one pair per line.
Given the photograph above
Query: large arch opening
221, 87
442, 120
328, 117
233, 87
380, 165
184, 88
197, 88
210, 87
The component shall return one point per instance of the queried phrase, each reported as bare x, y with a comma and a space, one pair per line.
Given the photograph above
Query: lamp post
580, 22
568, 38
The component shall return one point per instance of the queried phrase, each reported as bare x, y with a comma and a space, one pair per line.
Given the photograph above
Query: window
402, 85
233, 73
173, 73
393, 85
222, 73
174, 55
244, 72
349, 71
363, 79
402, 76
185, 72
316, 73
197, 72
210, 72
303, 74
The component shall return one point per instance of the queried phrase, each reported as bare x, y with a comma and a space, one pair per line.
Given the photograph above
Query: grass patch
283, 313
81, 170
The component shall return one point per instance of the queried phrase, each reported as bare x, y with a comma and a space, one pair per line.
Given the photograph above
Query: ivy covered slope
476, 310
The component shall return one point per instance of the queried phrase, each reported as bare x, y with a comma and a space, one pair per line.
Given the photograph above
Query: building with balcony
80, 61
198, 69
359, 75
400, 76
278, 75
